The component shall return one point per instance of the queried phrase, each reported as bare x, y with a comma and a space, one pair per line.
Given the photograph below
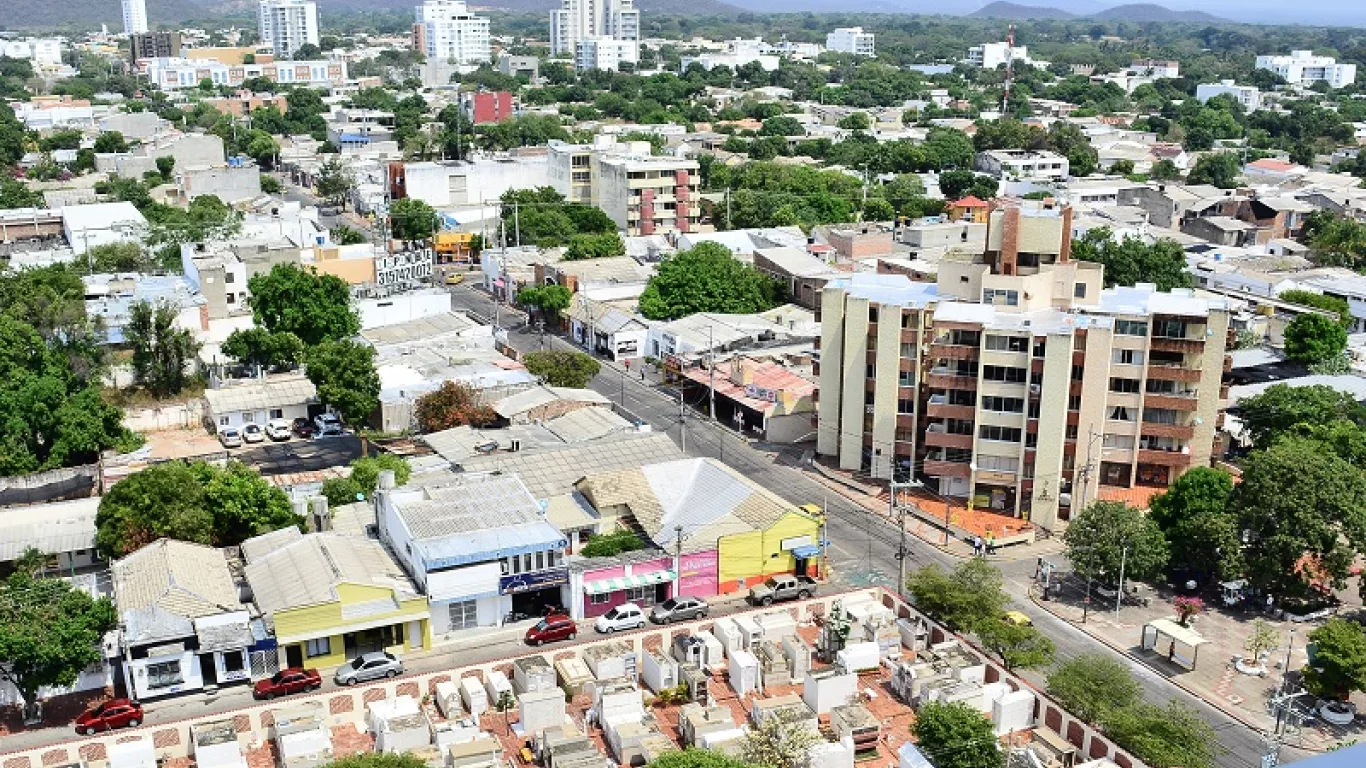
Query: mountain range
1136, 12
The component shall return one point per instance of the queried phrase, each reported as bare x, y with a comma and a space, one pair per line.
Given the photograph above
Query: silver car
369, 666
681, 608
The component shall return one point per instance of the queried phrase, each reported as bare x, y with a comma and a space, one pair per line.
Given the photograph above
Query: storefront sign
761, 393
627, 347
527, 582
795, 542
404, 266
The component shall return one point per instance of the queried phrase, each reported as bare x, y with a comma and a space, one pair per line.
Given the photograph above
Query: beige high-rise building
1016, 381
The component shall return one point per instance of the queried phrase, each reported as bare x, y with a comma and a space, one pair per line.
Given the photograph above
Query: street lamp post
1119, 598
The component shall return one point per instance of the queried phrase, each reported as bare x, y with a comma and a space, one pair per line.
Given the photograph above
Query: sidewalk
1243, 697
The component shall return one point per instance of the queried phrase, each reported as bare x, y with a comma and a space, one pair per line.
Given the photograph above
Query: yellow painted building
331, 597
745, 559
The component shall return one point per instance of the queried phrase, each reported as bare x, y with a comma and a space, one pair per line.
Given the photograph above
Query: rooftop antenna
1010, 68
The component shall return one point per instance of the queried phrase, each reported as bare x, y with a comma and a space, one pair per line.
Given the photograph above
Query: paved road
863, 546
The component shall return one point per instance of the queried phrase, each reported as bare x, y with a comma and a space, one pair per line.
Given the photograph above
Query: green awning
627, 582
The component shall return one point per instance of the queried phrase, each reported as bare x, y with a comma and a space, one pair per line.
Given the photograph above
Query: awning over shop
627, 582
807, 551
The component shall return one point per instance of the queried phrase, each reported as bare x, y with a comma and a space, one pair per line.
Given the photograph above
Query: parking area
299, 455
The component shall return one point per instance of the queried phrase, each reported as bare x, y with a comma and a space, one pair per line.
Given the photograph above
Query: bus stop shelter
1180, 645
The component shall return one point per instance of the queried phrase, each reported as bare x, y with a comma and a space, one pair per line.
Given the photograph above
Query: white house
850, 40
1304, 68
86, 226
256, 401
1247, 95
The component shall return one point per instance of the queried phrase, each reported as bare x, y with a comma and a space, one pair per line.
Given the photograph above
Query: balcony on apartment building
956, 345
1175, 334
941, 407
963, 377
948, 464
1174, 399
1173, 370
937, 435
1153, 427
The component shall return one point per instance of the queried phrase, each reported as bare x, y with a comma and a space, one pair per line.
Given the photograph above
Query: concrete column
832, 372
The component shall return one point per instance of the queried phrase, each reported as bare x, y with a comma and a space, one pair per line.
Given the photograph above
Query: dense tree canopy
1107, 533
563, 368
189, 501
967, 598
1132, 261
1313, 338
707, 278
955, 735
313, 307
344, 372
1194, 517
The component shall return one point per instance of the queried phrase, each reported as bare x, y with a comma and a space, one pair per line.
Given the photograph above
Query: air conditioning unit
1034, 389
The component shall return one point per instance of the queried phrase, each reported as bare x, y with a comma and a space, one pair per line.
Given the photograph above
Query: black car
303, 427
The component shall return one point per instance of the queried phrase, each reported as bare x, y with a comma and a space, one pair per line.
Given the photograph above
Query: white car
230, 437
278, 429
624, 616
328, 424
252, 433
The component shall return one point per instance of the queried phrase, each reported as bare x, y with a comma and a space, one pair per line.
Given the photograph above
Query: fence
53, 485
346, 706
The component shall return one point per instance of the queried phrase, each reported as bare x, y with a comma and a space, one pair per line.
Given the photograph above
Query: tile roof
971, 201
170, 582
765, 375
274, 391
308, 570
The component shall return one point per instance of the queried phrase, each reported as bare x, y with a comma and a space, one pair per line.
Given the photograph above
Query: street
863, 545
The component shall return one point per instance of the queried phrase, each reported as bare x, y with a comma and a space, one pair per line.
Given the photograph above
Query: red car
287, 681
115, 713
556, 626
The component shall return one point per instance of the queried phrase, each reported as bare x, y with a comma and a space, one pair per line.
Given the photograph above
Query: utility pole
678, 560
682, 424
517, 222
1086, 604
901, 552
728, 223
1119, 598
1085, 471
711, 374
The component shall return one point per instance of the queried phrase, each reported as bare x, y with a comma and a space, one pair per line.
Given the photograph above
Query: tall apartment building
993, 55
174, 74
134, 16
286, 25
1169, 69
153, 45
850, 40
38, 50
1016, 381
644, 195
446, 30
1304, 68
1247, 95
578, 20
604, 53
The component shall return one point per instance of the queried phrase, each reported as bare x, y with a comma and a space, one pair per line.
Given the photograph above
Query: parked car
624, 616
1017, 618
777, 589
277, 430
115, 713
556, 626
303, 427
454, 278
327, 424
369, 666
287, 681
681, 608
253, 433
230, 437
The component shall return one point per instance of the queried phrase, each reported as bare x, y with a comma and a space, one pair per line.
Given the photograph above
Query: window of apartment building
958, 426
1079, 291
905, 435
1131, 328
998, 343
872, 314
1118, 441
908, 350
1129, 386
1003, 404
1078, 372
1005, 373
1074, 402
905, 405
1069, 462
1151, 443
1127, 356
1160, 416
1004, 434
906, 379
318, 646
870, 370
1160, 387
464, 614
164, 674
1034, 410
1000, 296
227, 278
1039, 348
959, 455
1031, 440
906, 320
962, 397
1171, 359
1169, 328
1123, 413
997, 463
1070, 433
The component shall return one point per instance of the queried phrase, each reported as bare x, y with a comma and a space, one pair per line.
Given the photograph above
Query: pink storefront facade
594, 592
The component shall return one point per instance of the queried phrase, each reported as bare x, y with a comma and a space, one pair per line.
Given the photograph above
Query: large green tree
1313, 338
706, 278
1338, 666
161, 351
1297, 501
344, 372
1092, 686
1019, 646
314, 307
1281, 408
1194, 517
962, 600
1171, 736
413, 219
1322, 301
1132, 261
1219, 169
697, 758
955, 735
364, 478
551, 300
260, 347
563, 368
334, 180
1109, 533
49, 632
189, 501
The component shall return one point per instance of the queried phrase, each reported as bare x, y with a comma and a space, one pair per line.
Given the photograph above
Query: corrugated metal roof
587, 424
273, 392
552, 471
523, 401
423, 328
55, 528
308, 570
